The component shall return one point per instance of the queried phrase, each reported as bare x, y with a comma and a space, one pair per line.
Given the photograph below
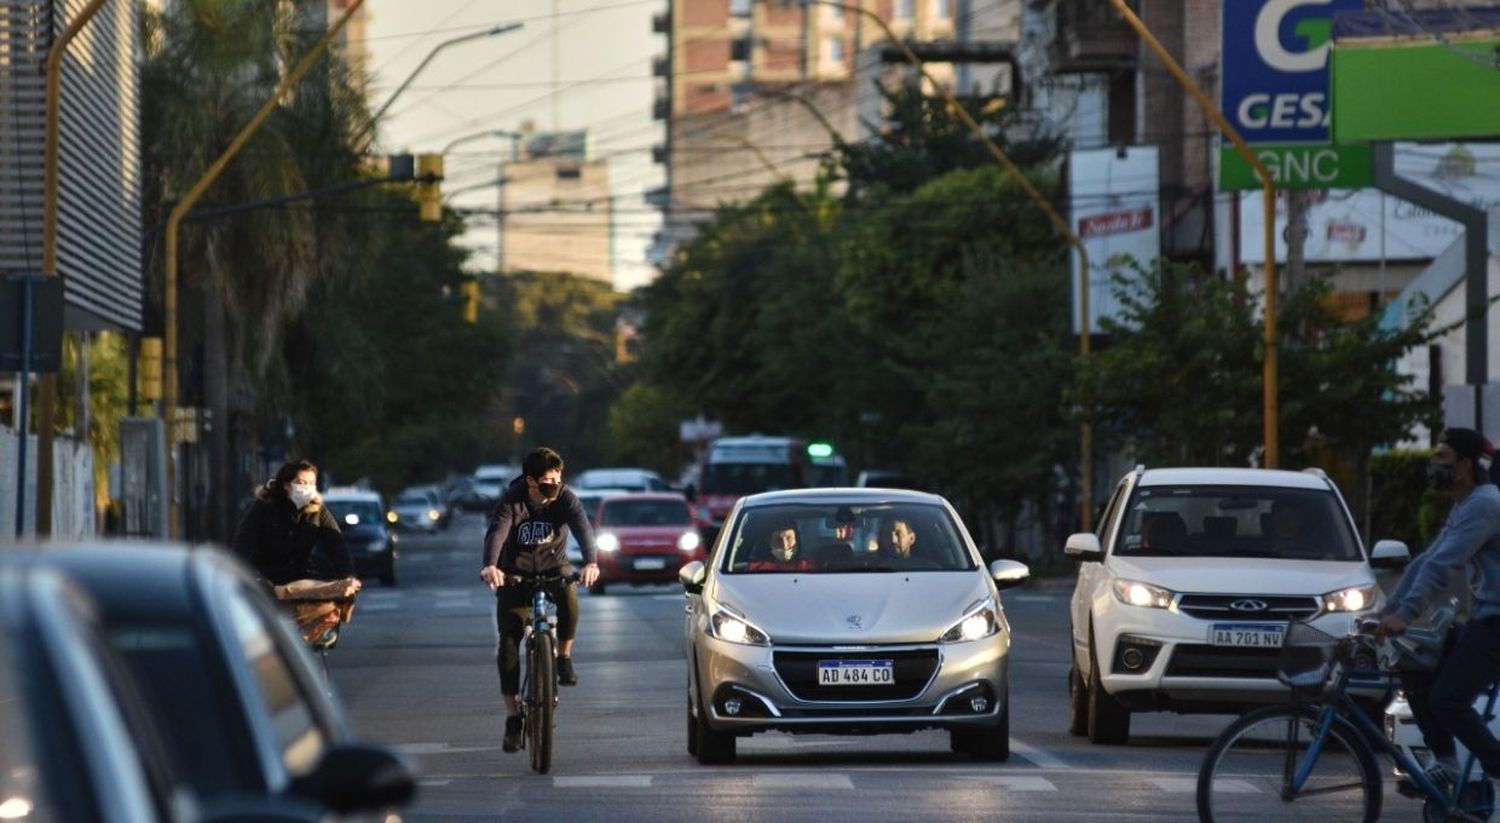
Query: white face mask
303, 493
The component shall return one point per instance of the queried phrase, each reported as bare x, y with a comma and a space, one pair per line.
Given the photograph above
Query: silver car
847, 611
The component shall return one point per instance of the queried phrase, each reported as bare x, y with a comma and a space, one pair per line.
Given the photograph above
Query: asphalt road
416, 669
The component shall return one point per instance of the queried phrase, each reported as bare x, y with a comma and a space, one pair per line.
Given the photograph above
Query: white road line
1033, 597
454, 604
378, 607
1014, 784
440, 748
433, 782
1037, 756
606, 781
803, 781
408, 557
1188, 785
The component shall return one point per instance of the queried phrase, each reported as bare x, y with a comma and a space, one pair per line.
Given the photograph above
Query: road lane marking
604, 781
1014, 784
433, 782
1188, 785
1037, 756
803, 781
379, 607
440, 748
454, 604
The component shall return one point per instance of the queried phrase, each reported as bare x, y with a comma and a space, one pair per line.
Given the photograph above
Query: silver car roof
849, 496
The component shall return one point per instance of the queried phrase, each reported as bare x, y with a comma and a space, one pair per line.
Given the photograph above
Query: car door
1091, 574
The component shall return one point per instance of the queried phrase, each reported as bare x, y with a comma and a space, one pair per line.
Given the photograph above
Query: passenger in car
897, 541
1164, 532
780, 551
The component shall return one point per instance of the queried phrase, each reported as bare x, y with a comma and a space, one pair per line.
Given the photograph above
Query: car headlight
689, 541
608, 543
979, 621
432, 514
726, 624
392, 517
1352, 599
1145, 595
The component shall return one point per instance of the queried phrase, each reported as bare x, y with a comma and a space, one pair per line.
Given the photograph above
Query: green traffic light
819, 450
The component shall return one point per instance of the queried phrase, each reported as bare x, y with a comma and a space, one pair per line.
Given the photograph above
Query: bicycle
1321, 755
539, 697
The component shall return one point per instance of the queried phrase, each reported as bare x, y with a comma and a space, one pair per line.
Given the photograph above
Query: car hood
890, 607
413, 508
1247, 575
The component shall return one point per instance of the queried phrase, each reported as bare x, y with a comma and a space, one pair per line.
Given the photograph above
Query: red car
644, 538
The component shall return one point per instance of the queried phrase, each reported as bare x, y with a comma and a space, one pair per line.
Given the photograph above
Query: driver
1287, 522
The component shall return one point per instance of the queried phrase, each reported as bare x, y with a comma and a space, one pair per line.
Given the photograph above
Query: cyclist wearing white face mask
288, 534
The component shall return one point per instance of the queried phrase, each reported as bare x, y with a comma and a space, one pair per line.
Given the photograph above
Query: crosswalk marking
1188, 785
604, 781
1036, 756
1013, 783
803, 781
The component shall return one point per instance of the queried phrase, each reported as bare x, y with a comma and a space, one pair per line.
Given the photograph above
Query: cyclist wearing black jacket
528, 534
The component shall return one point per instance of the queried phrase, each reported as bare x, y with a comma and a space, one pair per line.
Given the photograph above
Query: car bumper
773, 693
656, 567
1160, 659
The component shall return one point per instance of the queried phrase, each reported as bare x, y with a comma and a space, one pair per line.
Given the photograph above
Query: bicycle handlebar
547, 577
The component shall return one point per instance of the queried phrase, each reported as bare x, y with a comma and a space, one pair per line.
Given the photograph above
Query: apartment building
556, 209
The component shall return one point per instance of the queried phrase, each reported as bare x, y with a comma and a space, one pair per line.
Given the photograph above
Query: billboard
1115, 211
1275, 91
1366, 225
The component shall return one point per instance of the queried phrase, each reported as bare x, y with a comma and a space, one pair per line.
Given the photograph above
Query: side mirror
358, 777
1084, 546
693, 576
1389, 554
1008, 573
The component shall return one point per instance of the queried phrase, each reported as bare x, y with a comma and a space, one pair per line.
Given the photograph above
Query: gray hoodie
1469, 543
527, 538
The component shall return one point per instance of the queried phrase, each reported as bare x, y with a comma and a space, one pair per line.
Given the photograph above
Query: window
293, 722
1236, 521
942, 9
834, 50
841, 539
354, 512
739, 8
905, 9
646, 513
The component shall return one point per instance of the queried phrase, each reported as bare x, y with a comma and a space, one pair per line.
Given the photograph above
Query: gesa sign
1275, 68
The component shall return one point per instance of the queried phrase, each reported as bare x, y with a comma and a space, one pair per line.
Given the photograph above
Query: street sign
1114, 206
1299, 167
1275, 90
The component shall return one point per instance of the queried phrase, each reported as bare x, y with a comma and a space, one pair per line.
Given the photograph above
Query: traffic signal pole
1269, 411
174, 221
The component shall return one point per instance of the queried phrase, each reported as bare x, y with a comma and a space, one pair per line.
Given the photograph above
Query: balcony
661, 109
661, 23
1091, 37
660, 66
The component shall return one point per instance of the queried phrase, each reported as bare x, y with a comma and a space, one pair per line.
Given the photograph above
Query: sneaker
512, 734
565, 673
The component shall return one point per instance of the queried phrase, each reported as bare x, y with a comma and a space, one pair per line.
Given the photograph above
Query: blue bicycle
539, 683
1315, 760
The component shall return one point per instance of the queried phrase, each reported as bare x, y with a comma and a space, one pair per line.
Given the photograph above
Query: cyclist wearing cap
1469, 543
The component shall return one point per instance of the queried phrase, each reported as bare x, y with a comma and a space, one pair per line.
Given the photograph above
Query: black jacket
278, 541
527, 538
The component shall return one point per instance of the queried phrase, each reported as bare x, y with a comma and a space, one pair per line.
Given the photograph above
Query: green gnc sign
1299, 167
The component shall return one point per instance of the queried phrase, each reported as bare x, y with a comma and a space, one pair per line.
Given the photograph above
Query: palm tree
209, 65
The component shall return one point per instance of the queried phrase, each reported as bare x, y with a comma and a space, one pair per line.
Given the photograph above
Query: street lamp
1086, 432
515, 138
478, 35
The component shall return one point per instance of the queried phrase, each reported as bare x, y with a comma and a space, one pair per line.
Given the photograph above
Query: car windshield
645, 513
354, 512
842, 538
1224, 521
19, 776
412, 499
746, 478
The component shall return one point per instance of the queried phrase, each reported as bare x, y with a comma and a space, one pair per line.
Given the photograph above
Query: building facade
556, 209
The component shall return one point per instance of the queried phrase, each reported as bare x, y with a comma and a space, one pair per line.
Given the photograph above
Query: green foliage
1403, 506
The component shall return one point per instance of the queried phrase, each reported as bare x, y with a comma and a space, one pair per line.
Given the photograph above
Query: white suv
1185, 591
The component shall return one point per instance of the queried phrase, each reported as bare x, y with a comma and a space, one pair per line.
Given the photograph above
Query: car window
1234, 521
413, 499
747, 478
645, 513
1109, 512
299, 739
22, 795
834, 538
355, 512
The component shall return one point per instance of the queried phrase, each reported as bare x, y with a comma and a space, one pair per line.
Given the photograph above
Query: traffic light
150, 369
471, 301
429, 186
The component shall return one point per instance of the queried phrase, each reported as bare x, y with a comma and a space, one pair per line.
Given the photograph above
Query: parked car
854, 640
241, 709
635, 480
362, 516
644, 538
589, 500
488, 483
418, 509
1185, 591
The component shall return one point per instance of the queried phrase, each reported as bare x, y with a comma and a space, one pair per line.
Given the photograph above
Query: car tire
1078, 703
1109, 722
991, 745
714, 748
692, 730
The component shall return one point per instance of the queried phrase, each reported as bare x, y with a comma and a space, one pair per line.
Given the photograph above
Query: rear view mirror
1389, 554
1008, 573
693, 576
359, 777
1084, 546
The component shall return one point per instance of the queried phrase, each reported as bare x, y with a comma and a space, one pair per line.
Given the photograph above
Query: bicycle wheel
1246, 774
541, 699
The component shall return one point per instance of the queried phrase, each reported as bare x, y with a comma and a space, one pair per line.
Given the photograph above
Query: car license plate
650, 563
855, 672
1248, 635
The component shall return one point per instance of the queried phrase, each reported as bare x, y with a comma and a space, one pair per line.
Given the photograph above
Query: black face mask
1441, 475
549, 491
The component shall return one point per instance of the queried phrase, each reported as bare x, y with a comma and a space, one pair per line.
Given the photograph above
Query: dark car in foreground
233, 694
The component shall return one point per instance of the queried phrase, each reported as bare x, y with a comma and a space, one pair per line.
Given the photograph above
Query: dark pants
513, 612
1446, 700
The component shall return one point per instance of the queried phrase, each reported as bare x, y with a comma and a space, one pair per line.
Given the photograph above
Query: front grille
913, 669
1222, 607
669, 563
1196, 660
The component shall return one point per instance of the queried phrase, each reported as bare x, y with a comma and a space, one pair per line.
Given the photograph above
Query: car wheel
713, 747
1109, 722
990, 744
1078, 703
692, 730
